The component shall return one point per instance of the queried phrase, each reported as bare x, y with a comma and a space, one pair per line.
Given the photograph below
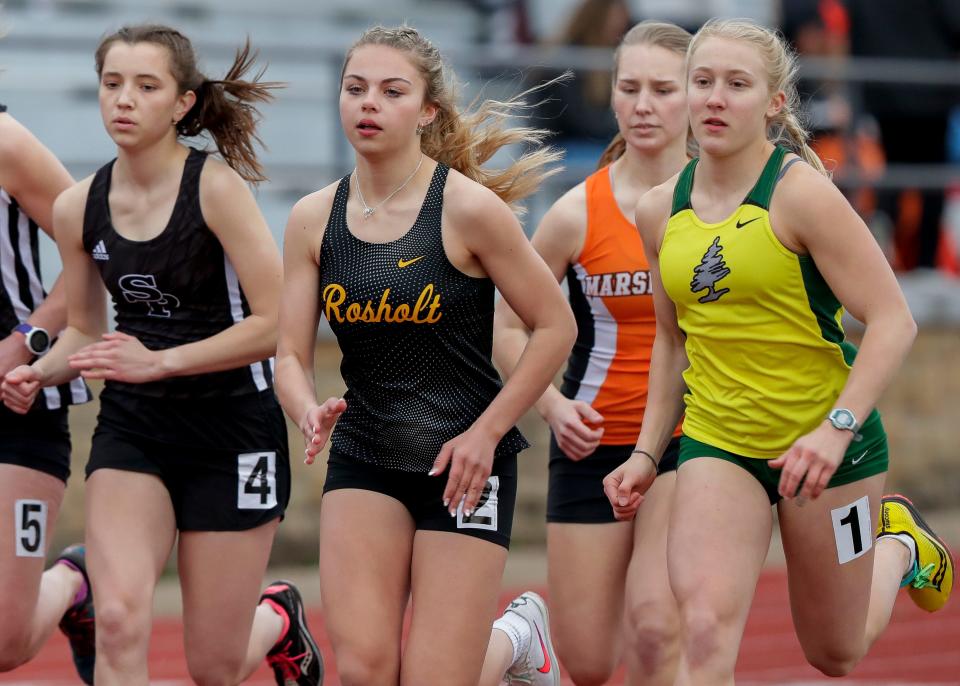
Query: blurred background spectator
578, 110
848, 141
503, 22
912, 117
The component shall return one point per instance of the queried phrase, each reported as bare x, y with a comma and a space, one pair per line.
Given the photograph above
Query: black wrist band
656, 464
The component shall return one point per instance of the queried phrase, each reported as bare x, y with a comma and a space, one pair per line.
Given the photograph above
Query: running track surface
917, 648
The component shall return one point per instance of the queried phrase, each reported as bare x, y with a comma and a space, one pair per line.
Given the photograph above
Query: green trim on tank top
759, 195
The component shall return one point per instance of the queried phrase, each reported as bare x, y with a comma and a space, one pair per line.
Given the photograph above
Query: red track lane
917, 648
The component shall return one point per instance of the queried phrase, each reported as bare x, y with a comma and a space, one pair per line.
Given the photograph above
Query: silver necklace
367, 210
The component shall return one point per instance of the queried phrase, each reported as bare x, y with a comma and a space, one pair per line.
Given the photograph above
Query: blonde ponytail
785, 129
466, 140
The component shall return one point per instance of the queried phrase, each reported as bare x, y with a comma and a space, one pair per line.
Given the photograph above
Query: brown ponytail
613, 152
223, 106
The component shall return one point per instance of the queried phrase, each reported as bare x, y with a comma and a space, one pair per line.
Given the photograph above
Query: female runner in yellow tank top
753, 259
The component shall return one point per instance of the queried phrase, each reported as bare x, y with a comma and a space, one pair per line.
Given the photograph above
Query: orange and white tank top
611, 297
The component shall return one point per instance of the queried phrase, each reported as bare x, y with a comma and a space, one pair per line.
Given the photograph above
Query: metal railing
496, 65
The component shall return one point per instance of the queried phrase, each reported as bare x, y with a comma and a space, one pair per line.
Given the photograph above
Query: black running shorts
38, 440
575, 491
422, 495
225, 463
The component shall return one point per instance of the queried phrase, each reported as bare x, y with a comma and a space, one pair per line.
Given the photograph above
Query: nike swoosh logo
856, 460
741, 224
545, 669
401, 263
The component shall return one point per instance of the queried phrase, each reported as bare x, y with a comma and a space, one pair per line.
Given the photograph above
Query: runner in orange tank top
587, 238
610, 294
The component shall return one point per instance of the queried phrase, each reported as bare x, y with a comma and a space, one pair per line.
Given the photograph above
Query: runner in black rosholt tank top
402, 257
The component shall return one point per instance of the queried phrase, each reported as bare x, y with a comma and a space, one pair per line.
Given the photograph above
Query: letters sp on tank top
176, 288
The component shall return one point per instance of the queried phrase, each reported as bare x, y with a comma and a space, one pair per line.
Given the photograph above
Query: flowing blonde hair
662, 35
786, 127
465, 140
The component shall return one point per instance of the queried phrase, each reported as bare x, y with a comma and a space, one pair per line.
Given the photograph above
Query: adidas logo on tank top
100, 252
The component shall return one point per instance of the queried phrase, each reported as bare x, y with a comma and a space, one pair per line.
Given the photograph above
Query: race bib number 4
257, 481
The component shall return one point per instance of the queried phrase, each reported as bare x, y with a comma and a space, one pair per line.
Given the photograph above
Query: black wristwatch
37, 339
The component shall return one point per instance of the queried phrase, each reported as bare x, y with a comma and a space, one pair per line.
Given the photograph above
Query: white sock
911, 546
517, 630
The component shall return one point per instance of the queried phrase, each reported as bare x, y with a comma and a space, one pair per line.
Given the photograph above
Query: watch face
39, 341
842, 419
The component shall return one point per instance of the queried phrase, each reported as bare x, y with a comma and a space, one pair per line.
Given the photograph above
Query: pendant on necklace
367, 211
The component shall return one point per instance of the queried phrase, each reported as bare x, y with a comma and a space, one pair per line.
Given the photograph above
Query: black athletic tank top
416, 336
176, 288
21, 290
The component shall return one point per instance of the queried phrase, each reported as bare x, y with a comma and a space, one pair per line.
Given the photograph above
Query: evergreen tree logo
711, 269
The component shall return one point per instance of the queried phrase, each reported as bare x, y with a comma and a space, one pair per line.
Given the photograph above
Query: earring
419, 129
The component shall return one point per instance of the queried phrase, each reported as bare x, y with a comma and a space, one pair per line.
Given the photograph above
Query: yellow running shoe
932, 579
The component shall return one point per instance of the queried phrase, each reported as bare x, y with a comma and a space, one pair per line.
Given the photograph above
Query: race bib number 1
853, 529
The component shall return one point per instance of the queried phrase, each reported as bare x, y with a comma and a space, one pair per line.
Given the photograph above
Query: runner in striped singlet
588, 237
35, 439
757, 256
190, 445
402, 257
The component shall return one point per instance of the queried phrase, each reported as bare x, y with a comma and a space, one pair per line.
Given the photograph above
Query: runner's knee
122, 624
365, 668
653, 633
13, 646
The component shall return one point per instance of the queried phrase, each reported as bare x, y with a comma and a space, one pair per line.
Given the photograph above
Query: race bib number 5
31, 531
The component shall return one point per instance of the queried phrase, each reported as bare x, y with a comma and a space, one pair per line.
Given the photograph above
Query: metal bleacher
48, 81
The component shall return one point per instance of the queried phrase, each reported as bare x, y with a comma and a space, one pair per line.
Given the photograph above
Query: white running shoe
537, 665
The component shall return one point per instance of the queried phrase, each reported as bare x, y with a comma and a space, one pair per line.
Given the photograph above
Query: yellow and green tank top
763, 334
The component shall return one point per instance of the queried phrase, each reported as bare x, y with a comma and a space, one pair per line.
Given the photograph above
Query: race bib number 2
485, 514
